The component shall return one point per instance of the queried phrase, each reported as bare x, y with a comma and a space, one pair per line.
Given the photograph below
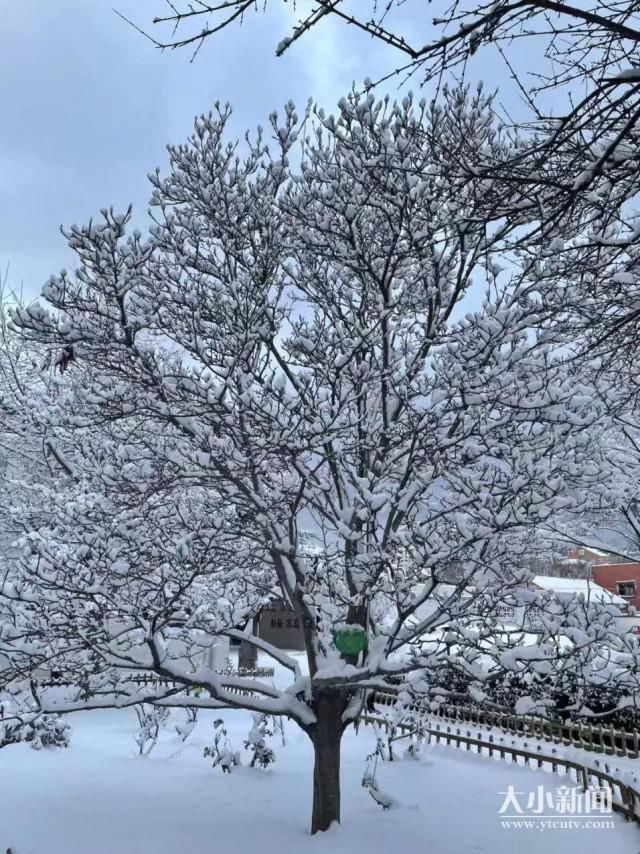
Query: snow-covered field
98, 797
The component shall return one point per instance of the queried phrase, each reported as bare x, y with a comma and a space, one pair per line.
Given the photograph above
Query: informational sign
281, 627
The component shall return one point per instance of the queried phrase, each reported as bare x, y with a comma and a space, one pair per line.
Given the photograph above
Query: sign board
351, 640
281, 627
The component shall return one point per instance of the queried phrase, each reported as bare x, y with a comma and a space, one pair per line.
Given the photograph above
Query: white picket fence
625, 796
597, 738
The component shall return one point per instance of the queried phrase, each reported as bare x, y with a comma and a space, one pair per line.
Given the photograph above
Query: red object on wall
623, 579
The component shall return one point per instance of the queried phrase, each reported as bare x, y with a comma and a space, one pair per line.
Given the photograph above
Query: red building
618, 576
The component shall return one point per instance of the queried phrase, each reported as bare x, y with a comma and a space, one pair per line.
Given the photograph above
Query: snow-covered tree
586, 59
31, 467
609, 518
578, 94
288, 351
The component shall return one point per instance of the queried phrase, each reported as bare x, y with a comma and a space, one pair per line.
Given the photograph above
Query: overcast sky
88, 106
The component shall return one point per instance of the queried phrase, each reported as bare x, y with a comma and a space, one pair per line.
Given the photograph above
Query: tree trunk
326, 735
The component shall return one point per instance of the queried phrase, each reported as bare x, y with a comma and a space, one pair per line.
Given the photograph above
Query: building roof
597, 552
566, 587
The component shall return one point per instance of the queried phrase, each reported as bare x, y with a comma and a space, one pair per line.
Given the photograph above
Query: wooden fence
249, 673
593, 737
150, 679
625, 798
161, 682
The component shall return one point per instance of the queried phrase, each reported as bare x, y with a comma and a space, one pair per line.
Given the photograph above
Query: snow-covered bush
568, 692
38, 730
413, 747
47, 731
150, 719
261, 754
10, 733
393, 742
221, 751
185, 729
229, 667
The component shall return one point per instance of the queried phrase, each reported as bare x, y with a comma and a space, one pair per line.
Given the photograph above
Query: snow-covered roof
598, 552
590, 550
564, 587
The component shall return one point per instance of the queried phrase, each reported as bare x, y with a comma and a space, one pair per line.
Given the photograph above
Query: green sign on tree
350, 640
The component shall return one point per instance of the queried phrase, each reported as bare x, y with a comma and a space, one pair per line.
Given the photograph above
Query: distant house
623, 579
565, 588
592, 556
620, 577
529, 617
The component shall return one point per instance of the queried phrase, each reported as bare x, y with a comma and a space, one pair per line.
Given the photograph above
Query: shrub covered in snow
185, 729
557, 695
151, 719
10, 733
221, 751
47, 731
261, 754
37, 730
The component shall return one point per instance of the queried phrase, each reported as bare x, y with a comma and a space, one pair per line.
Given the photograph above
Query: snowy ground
97, 797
